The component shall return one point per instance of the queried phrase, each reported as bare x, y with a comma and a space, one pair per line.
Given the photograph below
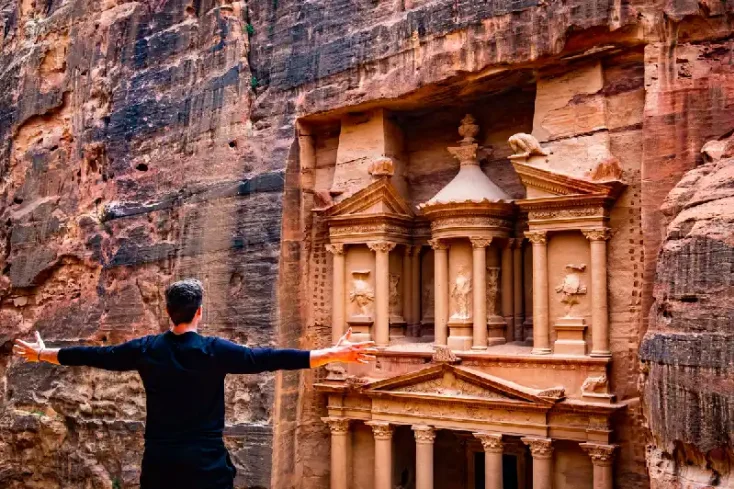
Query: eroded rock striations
141, 142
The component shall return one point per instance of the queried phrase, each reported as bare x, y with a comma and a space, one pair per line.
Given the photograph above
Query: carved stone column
542, 451
382, 291
541, 338
602, 457
383, 454
424, 437
493, 450
517, 289
415, 289
479, 286
506, 277
338, 299
599, 309
339, 451
440, 290
407, 287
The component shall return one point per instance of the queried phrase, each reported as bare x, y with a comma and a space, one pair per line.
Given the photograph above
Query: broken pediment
456, 382
544, 183
377, 199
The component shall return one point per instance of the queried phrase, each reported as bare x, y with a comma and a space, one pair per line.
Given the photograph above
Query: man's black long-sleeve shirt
183, 377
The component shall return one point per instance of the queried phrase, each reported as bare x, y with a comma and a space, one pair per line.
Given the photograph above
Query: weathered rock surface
688, 353
145, 141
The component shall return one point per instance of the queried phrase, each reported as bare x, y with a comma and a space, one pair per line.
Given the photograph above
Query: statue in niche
525, 146
493, 274
461, 294
362, 294
396, 304
428, 298
571, 288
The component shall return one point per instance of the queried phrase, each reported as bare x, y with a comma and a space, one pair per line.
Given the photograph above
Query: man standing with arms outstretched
183, 373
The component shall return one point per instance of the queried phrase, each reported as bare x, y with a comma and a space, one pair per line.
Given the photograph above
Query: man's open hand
30, 352
344, 351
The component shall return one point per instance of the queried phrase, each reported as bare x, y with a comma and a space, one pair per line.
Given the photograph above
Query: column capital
335, 248
491, 442
438, 244
424, 433
480, 242
602, 455
539, 447
599, 234
381, 429
338, 426
381, 246
536, 237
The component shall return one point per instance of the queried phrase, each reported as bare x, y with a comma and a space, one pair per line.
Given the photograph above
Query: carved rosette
438, 244
536, 237
381, 430
338, 426
539, 447
602, 455
492, 443
601, 234
335, 249
424, 434
381, 246
480, 242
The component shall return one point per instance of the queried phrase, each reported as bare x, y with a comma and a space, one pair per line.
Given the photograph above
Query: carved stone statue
362, 294
595, 385
468, 129
428, 300
461, 294
525, 146
382, 167
396, 303
571, 288
493, 288
606, 170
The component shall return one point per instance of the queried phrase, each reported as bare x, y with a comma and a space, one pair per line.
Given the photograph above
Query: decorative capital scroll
438, 244
539, 447
600, 454
492, 443
600, 234
381, 246
338, 426
424, 434
381, 429
480, 242
536, 237
335, 249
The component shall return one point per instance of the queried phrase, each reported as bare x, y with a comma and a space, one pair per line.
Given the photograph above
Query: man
183, 374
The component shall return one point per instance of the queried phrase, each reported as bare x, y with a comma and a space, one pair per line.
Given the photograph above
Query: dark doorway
509, 471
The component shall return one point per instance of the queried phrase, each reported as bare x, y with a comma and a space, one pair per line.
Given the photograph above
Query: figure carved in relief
461, 294
595, 385
571, 288
525, 146
428, 299
362, 294
493, 274
395, 299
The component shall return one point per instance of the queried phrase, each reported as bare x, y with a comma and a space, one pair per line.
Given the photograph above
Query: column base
602, 354
496, 334
527, 328
397, 327
541, 351
478, 347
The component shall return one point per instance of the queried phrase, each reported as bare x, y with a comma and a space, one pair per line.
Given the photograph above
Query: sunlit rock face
142, 142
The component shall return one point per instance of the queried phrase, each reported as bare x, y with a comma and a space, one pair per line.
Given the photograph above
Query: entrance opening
509, 471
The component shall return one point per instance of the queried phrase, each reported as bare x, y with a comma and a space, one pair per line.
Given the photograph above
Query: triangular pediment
543, 183
379, 198
458, 383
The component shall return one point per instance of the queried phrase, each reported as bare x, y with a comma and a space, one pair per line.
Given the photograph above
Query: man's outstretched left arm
119, 357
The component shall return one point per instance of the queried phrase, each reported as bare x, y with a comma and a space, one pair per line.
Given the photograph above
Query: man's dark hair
183, 299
